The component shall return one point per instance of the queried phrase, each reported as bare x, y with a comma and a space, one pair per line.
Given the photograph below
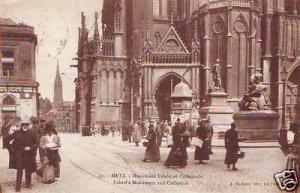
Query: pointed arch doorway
163, 94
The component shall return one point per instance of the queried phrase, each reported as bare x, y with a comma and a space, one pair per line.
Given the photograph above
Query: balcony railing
225, 3
16, 29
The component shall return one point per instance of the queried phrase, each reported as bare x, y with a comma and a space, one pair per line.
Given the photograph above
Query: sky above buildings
56, 24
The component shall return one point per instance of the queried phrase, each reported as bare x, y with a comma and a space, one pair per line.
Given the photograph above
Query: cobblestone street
104, 164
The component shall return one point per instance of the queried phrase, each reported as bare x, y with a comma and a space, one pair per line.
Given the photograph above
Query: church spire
57, 70
96, 29
58, 94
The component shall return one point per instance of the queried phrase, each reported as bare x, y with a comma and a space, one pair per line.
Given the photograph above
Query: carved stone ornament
218, 27
172, 46
239, 26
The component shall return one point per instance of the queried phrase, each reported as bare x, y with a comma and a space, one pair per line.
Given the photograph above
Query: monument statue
255, 99
216, 77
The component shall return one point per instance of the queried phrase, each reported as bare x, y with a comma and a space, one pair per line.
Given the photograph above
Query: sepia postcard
153, 96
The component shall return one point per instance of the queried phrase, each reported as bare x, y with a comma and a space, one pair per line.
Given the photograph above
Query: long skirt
152, 152
12, 159
169, 140
231, 157
47, 171
57, 169
202, 153
177, 156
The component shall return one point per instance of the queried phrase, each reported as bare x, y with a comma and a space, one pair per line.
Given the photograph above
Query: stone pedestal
257, 125
219, 111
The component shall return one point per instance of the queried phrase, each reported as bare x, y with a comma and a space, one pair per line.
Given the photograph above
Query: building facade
65, 117
18, 87
147, 47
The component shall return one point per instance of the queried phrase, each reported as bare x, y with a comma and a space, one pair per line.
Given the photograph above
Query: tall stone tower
58, 94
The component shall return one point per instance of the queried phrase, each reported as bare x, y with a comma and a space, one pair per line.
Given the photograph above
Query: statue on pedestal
255, 99
216, 77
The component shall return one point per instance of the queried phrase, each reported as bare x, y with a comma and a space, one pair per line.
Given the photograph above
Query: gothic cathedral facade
148, 47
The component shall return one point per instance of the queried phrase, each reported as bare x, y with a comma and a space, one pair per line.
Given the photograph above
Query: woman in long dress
152, 153
136, 135
168, 133
202, 153
178, 153
232, 147
50, 143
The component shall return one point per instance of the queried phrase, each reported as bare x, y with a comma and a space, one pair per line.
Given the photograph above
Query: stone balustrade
16, 29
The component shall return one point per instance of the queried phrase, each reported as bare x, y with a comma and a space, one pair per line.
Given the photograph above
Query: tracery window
9, 101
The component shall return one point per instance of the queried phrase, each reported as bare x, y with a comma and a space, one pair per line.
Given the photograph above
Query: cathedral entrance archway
163, 93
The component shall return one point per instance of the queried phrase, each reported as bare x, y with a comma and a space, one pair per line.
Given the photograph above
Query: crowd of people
27, 140
179, 136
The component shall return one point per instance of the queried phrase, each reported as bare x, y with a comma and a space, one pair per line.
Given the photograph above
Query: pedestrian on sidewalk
4, 130
232, 147
50, 143
178, 153
34, 127
210, 133
13, 128
168, 133
25, 145
152, 153
103, 130
160, 131
129, 132
124, 133
136, 135
202, 151
146, 126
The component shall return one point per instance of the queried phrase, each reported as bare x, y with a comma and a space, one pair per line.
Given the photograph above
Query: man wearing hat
25, 145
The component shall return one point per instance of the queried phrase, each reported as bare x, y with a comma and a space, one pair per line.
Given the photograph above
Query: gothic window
173, 7
9, 101
7, 54
7, 61
239, 61
164, 7
218, 30
118, 15
8, 69
289, 38
156, 7
288, 4
219, 46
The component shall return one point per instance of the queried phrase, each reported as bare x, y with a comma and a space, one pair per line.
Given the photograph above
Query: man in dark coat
232, 146
25, 144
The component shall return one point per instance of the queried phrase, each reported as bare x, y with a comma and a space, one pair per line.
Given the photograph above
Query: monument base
257, 125
219, 111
